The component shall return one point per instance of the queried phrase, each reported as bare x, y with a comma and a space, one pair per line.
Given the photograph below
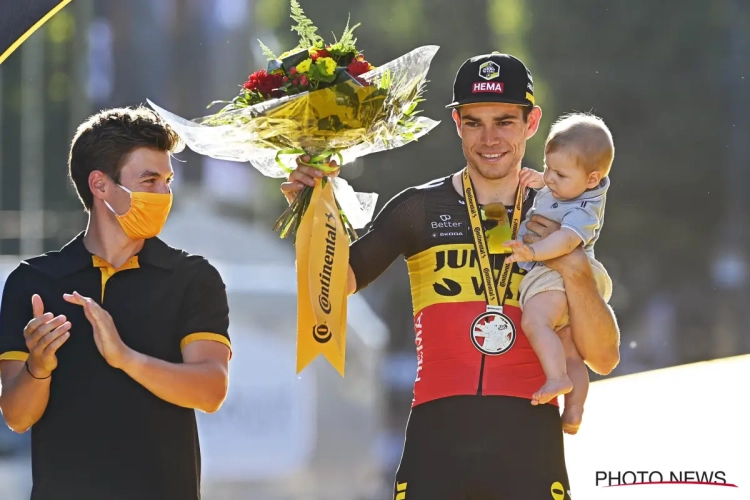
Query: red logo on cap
496, 87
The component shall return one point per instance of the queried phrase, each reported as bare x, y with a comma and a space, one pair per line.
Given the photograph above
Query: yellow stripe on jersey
14, 356
450, 273
193, 337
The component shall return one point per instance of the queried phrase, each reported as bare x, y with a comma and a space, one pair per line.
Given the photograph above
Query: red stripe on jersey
449, 364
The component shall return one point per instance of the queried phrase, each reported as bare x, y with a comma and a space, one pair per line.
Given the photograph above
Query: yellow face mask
147, 214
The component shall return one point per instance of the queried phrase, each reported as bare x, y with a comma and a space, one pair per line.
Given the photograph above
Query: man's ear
98, 184
533, 121
457, 118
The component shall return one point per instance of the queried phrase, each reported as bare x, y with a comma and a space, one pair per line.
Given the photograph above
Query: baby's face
565, 178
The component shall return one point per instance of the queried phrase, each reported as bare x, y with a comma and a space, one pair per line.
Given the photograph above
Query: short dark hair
105, 140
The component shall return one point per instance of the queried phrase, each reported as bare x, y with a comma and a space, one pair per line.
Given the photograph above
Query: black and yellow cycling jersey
472, 432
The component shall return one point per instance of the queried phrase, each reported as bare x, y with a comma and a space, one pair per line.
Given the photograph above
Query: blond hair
586, 137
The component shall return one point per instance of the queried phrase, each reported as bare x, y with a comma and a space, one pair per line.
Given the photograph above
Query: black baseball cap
491, 78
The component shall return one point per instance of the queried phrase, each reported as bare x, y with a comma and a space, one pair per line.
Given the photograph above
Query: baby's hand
531, 178
521, 252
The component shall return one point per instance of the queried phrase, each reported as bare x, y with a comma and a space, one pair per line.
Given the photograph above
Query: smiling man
473, 432
108, 345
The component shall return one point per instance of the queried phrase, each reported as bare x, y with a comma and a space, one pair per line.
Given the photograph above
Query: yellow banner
322, 248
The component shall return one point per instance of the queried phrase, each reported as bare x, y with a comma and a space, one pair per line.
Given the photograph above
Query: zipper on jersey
481, 367
481, 376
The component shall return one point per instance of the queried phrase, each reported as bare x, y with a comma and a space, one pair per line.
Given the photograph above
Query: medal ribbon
495, 294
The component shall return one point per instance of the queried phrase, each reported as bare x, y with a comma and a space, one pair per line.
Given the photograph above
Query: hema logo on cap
496, 87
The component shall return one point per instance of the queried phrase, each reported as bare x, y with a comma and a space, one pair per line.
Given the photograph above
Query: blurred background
671, 79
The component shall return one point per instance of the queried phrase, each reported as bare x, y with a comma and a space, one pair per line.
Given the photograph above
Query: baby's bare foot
571, 419
551, 389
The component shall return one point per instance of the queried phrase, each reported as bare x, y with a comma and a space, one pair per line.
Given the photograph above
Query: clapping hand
106, 337
44, 335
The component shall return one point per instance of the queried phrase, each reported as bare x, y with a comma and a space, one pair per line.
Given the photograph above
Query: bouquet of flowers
324, 100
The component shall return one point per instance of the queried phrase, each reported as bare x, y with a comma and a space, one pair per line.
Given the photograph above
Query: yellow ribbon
322, 249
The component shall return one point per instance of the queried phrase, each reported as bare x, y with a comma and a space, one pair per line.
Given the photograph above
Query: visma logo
449, 288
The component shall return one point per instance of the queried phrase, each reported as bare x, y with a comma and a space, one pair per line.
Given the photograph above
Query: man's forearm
23, 398
202, 386
592, 321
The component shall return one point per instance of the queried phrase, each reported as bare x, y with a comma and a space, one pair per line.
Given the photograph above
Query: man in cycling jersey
473, 432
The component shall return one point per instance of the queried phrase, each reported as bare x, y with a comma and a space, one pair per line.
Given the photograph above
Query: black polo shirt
103, 435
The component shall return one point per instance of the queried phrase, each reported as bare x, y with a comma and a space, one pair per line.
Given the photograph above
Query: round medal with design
493, 333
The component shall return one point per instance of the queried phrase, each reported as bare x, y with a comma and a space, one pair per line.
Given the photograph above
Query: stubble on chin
494, 172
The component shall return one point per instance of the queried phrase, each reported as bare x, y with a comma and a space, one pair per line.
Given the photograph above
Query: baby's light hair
587, 137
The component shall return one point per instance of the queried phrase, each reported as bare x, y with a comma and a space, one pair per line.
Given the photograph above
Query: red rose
303, 81
252, 80
357, 68
264, 83
269, 83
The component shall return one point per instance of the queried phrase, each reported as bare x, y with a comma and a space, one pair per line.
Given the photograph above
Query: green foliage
347, 44
307, 31
267, 51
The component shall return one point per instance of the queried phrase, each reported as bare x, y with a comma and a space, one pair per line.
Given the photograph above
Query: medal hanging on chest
492, 332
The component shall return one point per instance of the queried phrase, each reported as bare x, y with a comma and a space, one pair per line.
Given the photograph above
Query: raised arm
388, 237
29, 340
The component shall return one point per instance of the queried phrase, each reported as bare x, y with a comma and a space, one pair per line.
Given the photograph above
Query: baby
578, 155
